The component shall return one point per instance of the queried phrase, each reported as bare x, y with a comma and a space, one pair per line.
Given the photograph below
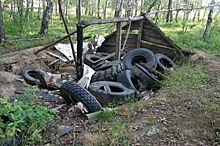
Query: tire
90, 59
73, 93
29, 74
164, 63
147, 79
139, 55
108, 74
104, 54
107, 65
117, 95
129, 79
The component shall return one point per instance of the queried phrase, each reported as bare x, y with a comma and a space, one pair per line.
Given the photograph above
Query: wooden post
140, 34
79, 51
79, 10
67, 31
118, 40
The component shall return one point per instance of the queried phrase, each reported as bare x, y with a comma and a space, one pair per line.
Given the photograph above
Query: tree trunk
209, 23
47, 15
136, 8
66, 11
27, 9
194, 16
39, 10
130, 8
98, 7
169, 17
118, 8
176, 17
105, 8
2, 32
157, 13
151, 6
198, 16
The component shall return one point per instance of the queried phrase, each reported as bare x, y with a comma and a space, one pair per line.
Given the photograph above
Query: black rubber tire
164, 62
107, 65
139, 55
128, 78
73, 93
104, 54
108, 74
29, 73
117, 96
146, 78
90, 59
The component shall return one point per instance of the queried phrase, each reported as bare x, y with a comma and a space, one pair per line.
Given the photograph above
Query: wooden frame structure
141, 32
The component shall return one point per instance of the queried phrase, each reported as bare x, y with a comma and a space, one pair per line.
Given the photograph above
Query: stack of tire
118, 81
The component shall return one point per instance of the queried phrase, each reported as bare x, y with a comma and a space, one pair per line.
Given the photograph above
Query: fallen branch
49, 45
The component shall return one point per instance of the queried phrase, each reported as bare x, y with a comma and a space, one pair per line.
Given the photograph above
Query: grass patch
192, 38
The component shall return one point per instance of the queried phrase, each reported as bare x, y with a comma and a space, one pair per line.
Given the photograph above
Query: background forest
190, 23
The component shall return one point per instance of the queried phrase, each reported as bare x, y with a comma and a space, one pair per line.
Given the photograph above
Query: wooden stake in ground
67, 31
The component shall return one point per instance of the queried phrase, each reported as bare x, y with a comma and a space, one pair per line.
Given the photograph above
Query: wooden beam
113, 20
118, 40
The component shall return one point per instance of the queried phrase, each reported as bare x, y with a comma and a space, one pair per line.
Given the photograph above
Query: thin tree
98, 7
2, 32
130, 8
169, 17
118, 8
207, 31
105, 8
46, 17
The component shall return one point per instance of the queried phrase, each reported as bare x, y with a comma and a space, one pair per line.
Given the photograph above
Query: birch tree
207, 31
46, 17
2, 32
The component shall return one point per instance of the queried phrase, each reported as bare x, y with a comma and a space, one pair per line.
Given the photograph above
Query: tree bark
47, 15
118, 8
130, 8
207, 31
98, 7
39, 10
2, 31
169, 17
105, 8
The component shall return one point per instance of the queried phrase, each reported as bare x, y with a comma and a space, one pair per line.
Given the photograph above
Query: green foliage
192, 37
24, 116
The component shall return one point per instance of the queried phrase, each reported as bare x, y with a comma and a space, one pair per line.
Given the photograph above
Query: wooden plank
139, 34
152, 34
134, 25
130, 40
123, 36
118, 40
171, 52
178, 49
113, 20
148, 38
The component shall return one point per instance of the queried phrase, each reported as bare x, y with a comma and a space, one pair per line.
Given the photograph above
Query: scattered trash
153, 130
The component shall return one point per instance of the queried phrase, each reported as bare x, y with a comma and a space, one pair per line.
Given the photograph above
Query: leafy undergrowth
185, 111
24, 120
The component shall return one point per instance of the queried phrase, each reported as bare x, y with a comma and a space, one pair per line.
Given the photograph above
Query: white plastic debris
87, 75
99, 39
66, 49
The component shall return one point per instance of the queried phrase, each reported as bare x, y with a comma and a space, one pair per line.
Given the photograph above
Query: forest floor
180, 114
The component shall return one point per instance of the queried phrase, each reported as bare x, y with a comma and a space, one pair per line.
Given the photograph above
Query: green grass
192, 38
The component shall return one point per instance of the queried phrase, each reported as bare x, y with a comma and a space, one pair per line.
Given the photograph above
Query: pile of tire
116, 82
